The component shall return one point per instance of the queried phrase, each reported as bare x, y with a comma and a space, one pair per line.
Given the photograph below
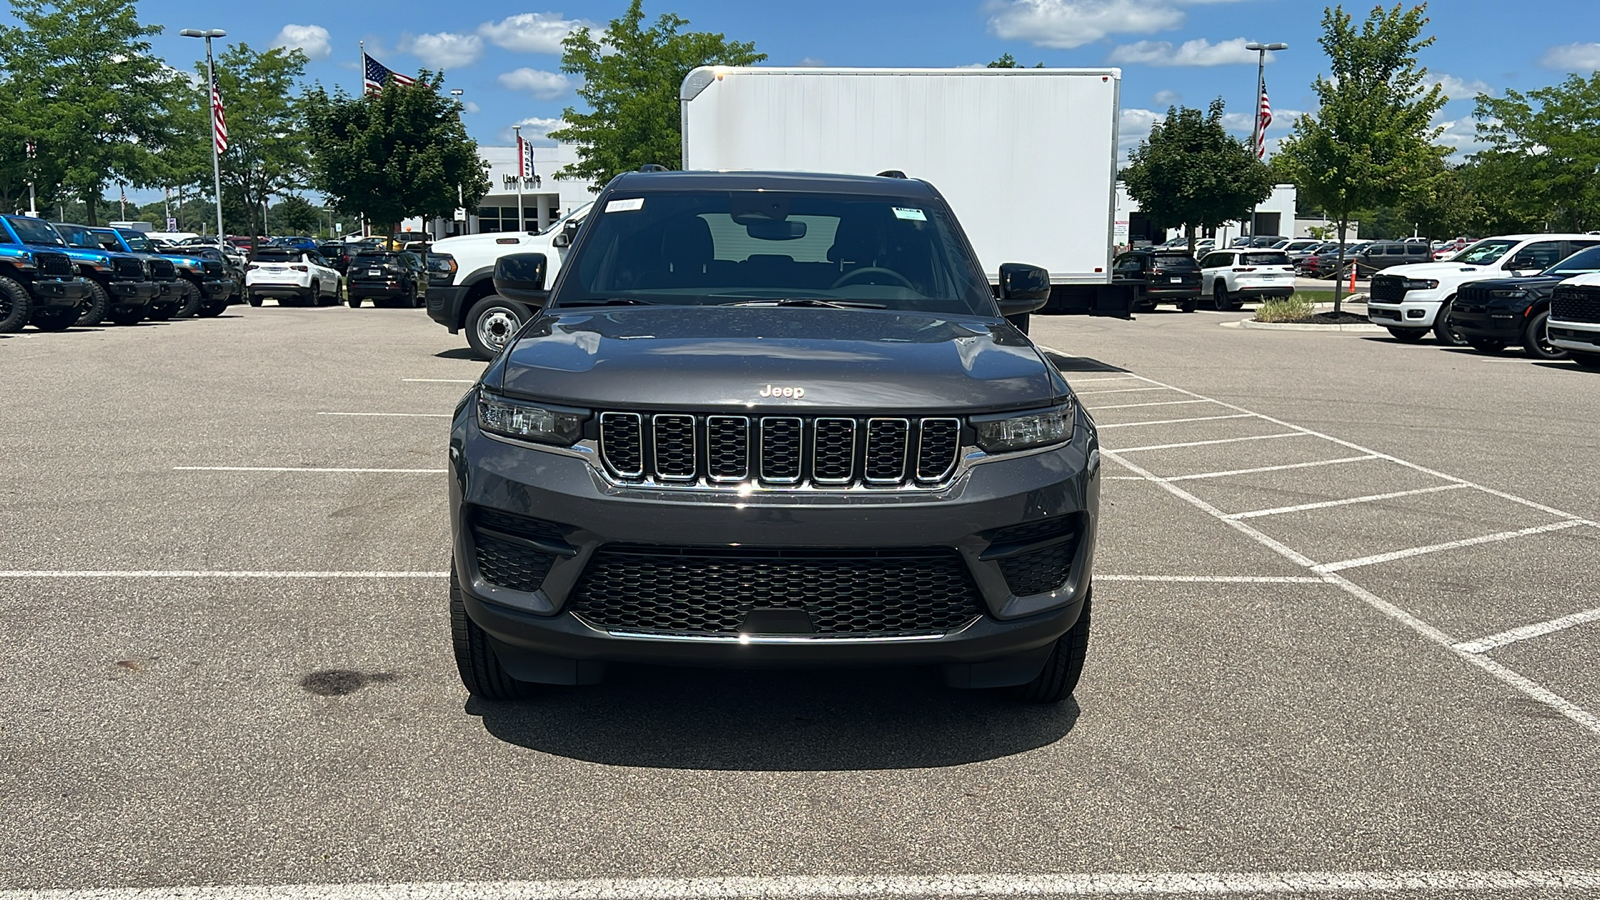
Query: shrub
1286, 309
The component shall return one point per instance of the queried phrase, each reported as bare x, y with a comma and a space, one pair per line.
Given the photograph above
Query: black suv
1492, 314
1159, 276
389, 278
772, 419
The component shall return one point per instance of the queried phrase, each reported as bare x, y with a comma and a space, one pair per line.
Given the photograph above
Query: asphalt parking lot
1345, 642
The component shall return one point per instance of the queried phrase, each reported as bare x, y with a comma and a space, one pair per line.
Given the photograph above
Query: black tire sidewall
480, 309
21, 305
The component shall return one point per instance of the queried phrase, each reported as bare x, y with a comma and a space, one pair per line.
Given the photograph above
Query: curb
1301, 326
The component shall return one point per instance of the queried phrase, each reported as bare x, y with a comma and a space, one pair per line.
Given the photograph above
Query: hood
693, 357
1439, 270
193, 262
1527, 282
497, 241
1592, 280
80, 254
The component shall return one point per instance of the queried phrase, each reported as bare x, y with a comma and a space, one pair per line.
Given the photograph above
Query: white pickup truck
1411, 300
464, 299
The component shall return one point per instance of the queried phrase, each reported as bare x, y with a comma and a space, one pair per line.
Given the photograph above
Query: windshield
1485, 252
719, 247
36, 231
78, 236
137, 242
1584, 262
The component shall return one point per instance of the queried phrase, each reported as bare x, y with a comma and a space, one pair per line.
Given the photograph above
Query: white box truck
1027, 158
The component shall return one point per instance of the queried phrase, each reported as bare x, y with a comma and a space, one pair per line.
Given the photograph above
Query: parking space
229, 664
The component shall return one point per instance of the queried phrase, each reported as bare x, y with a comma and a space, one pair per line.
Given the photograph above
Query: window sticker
910, 214
625, 205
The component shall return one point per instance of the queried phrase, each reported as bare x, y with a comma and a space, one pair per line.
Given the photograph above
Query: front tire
480, 670
1059, 677
188, 300
16, 306
1536, 338
1443, 331
55, 318
95, 306
491, 323
126, 316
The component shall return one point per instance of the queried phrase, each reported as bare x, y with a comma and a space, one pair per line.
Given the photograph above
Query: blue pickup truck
214, 287
38, 281
119, 285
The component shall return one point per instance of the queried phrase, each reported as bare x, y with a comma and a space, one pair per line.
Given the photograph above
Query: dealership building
544, 197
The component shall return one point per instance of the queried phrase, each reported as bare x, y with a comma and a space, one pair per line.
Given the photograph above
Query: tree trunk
1188, 231
1338, 271
90, 211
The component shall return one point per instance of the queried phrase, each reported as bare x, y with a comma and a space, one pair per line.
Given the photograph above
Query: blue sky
506, 56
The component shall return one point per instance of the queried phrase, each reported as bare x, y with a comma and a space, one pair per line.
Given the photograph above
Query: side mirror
1023, 288
520, 277
568, 232
1523, 262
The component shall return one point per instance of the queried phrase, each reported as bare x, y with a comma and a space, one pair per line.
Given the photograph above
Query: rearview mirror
775, 229
520, 277
1023, 288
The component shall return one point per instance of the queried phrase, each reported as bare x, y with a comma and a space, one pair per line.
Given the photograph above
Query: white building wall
545, 198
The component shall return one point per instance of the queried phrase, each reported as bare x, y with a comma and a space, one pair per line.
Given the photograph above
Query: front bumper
538, 637
133, 293
59, 292
1490, 323
1264, 289
444, 305
279, 290
216, 288
1583, 337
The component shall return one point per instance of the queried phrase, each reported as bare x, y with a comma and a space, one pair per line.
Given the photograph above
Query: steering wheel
854, 275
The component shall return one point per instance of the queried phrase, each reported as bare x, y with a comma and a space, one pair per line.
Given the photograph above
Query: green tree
89, 92
397, 153
295, 215
1370, 137
1191, 172
1007, 61
631, 77
1544, 149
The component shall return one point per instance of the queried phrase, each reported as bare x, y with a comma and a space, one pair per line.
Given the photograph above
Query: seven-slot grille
57, 265
127, 267
828, 451
1388, 288
1575, 304
211, 267
162, 269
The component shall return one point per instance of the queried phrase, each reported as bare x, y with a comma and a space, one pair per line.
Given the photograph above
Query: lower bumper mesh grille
1040, 570
710, 592
502, 558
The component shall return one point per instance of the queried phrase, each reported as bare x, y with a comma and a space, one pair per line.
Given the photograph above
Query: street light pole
460, 197
1261, 85
211, 81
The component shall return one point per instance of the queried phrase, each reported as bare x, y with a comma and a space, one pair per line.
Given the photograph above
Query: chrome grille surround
727, 448
888, 449
782, 449
833, 450
673, 439
938, 446
622, 443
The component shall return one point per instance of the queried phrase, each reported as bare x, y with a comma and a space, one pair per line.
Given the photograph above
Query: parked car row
1229, 277
1540, 291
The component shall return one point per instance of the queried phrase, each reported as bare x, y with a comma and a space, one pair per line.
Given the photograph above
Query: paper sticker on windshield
624, 205
910, 215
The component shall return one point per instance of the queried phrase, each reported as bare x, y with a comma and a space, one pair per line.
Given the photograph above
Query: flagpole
211, 88
521, 222
361, 70
1257, 136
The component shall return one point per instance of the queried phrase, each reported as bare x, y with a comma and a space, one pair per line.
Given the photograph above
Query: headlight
1508, 293
1002, 434
530, 422
1421, 284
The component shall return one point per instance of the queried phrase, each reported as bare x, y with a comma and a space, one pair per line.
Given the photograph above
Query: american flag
1266, 119
524, 159
219, 122
375, 74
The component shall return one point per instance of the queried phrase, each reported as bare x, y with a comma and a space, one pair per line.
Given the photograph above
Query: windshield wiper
809, 301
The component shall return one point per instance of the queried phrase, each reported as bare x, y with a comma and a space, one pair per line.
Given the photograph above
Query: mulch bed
1327, 318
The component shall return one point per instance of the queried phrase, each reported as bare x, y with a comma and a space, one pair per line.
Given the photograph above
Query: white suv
1410, 300
294, 277
1237, 274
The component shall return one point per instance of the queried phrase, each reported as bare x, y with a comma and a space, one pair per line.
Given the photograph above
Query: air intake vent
127, 267
55, 265
162, 270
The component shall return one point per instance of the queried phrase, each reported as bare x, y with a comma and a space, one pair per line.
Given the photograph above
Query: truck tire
1536, 338
1442, 330
16, 307
1056, 681
1409, 335
481, 672
160, 311
210, 309
95, 306
127, 316
55, 318
491, 322
188, 300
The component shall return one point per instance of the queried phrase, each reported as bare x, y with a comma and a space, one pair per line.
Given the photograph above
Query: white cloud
1245, 124
544, 85
812, 62
467, 106
1168, 98
1457, 88
532, 32
1460, 134
1198, 52
534, 130
444, 50
312, 40
1065, 24
1572, 57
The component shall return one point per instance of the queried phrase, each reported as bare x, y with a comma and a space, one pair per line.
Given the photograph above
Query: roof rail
891, 173
652, 167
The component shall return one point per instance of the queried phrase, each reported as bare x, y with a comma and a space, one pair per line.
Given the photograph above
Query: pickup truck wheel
1442, 329
480, 669
212, 308
188, 300
53, 318
16, 307
159, 312
126, 316
1536, 338
1409, 335
1056, 681
491, 322
1587, 360
95, 306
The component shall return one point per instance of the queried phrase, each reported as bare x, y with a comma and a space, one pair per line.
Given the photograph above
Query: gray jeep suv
772, 419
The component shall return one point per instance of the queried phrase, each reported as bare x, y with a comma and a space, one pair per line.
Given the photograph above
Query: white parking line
1218, 579
302, 469
1258, 437
815, 887
400, 415
442, 380
204, 573
1326, 504
1377, 558
1282, 468
1176, 421
1142, 405
1538, 629
1093, 380
1119, 391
